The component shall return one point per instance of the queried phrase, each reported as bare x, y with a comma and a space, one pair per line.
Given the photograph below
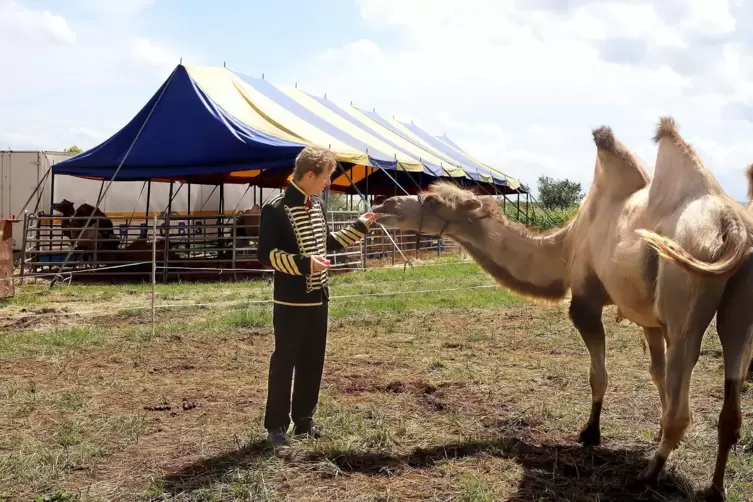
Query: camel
102, 232
247, 224
617, 251
749, 176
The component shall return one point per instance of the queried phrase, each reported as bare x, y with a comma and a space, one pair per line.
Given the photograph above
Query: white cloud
115, 8
76, 80
150, 56
31, 26
521, 83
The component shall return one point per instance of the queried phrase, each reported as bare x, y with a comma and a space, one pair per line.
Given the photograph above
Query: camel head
65, 207
434, 211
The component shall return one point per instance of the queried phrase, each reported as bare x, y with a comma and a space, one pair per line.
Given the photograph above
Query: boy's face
317, 183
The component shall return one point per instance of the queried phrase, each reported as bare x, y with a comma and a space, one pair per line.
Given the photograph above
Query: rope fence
248, 302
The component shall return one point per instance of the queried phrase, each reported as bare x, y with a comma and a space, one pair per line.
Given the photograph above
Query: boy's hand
319, 263
369, 217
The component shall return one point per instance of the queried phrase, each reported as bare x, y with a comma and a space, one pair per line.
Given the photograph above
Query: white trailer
22, 171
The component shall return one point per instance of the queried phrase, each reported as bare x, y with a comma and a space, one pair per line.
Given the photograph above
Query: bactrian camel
100, 229
609, 254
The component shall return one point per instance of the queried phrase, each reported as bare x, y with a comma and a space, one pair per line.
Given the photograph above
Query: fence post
154, 268
23, 245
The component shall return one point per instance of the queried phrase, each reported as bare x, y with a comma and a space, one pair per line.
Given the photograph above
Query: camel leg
587, 320
657, 351
734, 324
686, 308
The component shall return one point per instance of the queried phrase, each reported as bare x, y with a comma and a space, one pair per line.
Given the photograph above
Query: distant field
472, 394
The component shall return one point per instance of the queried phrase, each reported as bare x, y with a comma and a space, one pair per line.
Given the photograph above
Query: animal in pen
99, 234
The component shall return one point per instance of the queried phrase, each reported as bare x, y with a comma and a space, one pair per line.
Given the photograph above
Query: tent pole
148, 199
52, 201
368, 208
114, 176
396, 231
527, 205
189, 226
365, 256
167, 232
221, 219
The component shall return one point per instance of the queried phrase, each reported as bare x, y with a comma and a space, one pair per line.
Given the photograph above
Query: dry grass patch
472, 395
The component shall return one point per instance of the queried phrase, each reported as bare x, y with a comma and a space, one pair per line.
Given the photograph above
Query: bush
540, 218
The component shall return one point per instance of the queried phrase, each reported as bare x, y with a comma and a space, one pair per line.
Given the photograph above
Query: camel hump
749, 176
667, 128
604, 139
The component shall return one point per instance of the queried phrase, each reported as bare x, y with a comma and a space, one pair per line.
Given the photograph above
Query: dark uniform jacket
293, 227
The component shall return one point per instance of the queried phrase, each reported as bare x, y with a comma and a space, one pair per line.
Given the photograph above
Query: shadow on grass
551, 472
205, 473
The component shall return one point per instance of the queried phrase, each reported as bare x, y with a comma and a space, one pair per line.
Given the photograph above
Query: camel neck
529, 264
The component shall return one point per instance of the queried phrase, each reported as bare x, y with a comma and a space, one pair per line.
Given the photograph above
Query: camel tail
749, 176
736, 250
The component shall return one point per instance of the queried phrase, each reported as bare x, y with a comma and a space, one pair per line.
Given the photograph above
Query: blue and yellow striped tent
212, 125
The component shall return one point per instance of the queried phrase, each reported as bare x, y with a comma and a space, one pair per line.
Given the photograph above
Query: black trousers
300, 343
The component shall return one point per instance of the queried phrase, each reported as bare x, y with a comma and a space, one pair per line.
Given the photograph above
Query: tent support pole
396, 231
527, 206
148, 200
368, 208
221, 219
114, 176
365, 254
52, 201
165, 270
188, 223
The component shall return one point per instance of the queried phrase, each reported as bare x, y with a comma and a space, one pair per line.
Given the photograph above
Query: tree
559, 194
73, 149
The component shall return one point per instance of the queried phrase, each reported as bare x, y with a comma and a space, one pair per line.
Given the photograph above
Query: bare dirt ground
470, 398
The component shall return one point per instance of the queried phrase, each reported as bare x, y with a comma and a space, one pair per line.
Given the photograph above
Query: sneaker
311, 431
276, 439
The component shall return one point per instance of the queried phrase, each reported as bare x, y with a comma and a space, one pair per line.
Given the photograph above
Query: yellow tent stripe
410, 164
406, 145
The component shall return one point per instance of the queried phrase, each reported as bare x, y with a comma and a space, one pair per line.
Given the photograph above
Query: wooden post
154, 268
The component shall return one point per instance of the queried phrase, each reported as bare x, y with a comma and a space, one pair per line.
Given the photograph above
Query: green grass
233, 305
470, 395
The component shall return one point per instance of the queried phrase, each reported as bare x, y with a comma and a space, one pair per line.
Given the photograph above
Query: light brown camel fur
247, 224
605, 256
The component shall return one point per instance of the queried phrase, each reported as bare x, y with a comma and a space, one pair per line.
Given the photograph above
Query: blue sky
518, 83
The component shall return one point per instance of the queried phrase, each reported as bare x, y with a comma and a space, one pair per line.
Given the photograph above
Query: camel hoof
714, 494
648, 476
590, 436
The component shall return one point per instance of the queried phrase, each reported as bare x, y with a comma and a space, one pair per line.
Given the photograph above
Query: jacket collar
295, 195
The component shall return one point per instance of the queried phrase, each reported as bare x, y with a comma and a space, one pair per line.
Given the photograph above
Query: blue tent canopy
186, 136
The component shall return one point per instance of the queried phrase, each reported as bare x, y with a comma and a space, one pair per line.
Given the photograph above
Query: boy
294, 240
